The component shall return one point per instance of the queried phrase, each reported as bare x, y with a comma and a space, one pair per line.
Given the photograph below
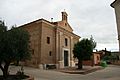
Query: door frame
66, 63
65, 49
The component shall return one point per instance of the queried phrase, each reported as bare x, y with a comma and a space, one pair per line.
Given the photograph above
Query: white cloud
86, 17
109, 47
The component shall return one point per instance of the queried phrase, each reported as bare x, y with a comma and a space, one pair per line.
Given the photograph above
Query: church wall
34, 30
48, 49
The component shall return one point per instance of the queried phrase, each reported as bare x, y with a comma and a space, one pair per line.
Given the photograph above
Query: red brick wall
87, 62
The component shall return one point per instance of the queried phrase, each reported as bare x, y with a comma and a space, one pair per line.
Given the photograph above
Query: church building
51, 43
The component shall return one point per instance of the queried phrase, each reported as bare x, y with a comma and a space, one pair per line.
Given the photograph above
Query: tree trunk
5, 73
5, 70
80, 64
17, 63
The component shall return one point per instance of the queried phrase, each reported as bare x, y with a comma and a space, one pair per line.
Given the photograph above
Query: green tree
109, 57
83, 50
14, 46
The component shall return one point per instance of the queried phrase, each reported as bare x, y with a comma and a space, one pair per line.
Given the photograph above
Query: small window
65, 24
66, 42
98, 58
50, 53
48, 40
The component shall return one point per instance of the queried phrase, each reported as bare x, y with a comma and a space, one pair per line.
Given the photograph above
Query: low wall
87, 63
116, 62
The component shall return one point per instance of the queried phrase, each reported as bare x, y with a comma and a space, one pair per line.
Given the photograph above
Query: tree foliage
83, 50
14, 46
109, 56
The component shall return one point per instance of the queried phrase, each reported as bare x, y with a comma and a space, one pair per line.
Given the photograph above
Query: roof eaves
37, 21
113, 4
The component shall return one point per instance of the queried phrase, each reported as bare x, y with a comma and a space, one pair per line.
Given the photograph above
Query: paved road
109, 73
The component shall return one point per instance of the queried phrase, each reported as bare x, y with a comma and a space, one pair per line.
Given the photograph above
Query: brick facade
51, 43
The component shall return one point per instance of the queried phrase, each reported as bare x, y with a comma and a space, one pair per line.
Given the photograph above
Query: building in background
95, 60
116, 6
51, 42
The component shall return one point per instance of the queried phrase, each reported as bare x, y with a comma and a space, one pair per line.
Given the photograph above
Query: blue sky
86, 17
